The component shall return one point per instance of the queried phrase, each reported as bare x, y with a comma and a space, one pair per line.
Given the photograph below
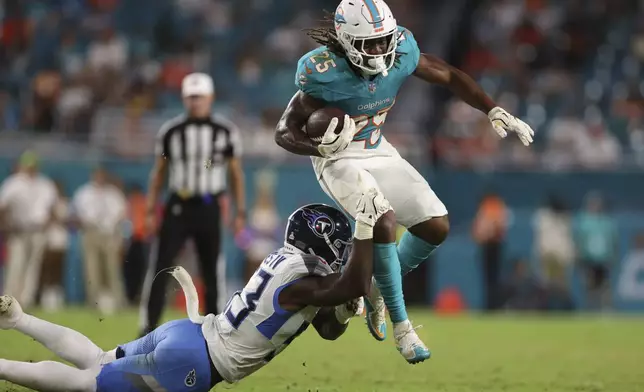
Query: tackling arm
289, 134
336, 289
434, 70
330, 322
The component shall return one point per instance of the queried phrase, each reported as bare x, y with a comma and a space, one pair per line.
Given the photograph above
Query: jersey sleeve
409, 51
316, 71
304, 265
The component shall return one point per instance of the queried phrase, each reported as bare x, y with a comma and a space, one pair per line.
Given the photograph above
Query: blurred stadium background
87, 83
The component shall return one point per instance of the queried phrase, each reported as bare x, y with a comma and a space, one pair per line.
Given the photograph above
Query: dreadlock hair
325, 35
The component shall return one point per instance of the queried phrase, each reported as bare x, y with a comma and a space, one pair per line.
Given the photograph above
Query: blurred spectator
9, 116
101, 208
41, 114
52, 295
75, 106
488, 230
554, 242
563, 136
26, 201
70, 54
467, 139
108, 53
631, 285
596, 242
522, 290
263, 232
600, 148
137, 249
636, 139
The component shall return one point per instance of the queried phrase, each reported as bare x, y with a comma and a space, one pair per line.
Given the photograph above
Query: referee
199, 150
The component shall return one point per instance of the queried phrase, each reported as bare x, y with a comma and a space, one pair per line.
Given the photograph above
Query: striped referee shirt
197, 151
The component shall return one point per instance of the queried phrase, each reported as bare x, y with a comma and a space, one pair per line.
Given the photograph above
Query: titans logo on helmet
320, 224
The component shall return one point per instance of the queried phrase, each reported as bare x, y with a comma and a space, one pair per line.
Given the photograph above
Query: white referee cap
197, 84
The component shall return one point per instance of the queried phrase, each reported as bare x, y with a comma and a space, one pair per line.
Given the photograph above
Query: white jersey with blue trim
253, 328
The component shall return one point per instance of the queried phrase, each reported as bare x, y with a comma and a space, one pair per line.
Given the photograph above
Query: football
318, 122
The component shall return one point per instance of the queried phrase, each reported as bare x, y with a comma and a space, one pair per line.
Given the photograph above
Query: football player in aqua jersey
363, 60
294, 287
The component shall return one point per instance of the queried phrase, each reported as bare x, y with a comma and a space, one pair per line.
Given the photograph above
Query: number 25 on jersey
323, 62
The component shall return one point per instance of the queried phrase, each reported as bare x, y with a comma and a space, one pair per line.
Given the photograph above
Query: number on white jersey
242, 303
250, 297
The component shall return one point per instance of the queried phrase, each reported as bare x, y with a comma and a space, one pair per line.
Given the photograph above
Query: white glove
371, 206
503, 122
353, 308
332, 143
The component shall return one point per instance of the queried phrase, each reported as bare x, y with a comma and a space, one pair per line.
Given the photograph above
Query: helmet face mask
342, 250
320, 230
359, 25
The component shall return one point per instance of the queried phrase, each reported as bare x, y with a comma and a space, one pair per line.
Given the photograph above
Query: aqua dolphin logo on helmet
339, 16
321, 225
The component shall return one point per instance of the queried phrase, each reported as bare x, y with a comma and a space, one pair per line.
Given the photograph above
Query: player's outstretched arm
335, 289
434, 70
289, 132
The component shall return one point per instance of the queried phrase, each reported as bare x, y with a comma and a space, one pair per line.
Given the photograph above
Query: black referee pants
198, 218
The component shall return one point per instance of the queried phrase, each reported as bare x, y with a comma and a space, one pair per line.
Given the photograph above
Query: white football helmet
360, 21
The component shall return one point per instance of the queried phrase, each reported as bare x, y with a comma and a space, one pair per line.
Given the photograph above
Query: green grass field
470, 354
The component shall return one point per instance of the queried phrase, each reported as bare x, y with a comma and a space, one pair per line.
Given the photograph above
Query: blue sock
386, 270
412, 251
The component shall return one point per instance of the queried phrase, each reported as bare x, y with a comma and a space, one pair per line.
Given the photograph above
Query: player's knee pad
384, 231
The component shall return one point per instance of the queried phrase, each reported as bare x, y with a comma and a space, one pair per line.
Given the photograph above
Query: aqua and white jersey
330, 78
253, 328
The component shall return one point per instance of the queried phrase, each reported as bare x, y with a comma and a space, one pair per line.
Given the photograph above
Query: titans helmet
320, 230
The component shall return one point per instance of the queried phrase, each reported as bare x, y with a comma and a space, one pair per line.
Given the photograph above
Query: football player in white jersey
294, 287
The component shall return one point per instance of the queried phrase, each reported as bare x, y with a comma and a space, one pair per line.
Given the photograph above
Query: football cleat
376, 317
409, 344
10, 312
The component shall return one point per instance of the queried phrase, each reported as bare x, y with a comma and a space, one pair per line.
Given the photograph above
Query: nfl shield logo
372, 87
